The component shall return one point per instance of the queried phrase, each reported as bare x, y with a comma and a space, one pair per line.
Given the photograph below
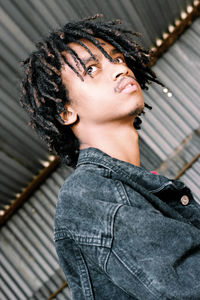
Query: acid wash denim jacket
123, 233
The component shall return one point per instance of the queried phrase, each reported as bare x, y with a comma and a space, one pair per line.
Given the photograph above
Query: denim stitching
135, 274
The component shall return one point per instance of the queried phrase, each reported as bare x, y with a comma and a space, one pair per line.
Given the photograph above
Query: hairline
113, 51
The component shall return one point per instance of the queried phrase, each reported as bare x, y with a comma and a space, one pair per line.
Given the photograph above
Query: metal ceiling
169, 139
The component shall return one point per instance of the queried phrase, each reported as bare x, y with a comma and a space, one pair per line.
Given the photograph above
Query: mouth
129, 88
126, 85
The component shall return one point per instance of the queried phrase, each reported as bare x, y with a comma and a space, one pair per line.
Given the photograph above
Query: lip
126, 85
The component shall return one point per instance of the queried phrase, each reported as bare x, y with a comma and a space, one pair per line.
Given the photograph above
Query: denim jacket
123, 233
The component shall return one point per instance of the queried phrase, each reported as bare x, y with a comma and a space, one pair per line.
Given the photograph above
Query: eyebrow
88, 59
114, 51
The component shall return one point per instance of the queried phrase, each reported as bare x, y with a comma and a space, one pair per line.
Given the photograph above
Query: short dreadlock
43, 93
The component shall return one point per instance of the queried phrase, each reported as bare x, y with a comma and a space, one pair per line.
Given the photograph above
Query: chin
137, 110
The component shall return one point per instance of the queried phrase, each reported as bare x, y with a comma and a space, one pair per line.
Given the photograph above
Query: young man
120, 231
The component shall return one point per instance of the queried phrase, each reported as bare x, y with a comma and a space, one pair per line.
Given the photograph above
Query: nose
119, 70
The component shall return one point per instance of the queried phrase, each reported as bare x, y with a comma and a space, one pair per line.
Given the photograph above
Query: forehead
90, 45
83, 54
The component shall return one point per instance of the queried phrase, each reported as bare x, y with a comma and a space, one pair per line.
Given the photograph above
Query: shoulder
85, 179
86, 206
86, 187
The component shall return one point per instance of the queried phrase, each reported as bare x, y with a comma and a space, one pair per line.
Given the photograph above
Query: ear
69, 116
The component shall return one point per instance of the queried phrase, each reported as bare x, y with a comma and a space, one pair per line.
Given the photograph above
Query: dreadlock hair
43, 93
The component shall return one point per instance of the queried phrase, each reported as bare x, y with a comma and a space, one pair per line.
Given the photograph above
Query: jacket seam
82, 240
119, 171
84, 275
127, 267
112, 234
161, 187
122, 192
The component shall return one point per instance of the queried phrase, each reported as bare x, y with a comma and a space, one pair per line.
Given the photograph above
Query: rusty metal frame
63, 285
171, 37
187, 166
29, 190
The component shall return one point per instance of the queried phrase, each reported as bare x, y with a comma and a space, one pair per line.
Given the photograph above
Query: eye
91, 69
119, 60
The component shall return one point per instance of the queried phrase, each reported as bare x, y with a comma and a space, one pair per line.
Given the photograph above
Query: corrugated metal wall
29, 264
174, 118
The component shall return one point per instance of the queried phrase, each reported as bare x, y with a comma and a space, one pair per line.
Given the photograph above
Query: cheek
92, 93
93, 104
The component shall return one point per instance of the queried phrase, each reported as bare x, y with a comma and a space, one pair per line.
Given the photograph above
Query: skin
99, 115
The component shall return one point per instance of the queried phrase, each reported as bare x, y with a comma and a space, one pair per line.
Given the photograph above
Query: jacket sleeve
153, 256
74, 268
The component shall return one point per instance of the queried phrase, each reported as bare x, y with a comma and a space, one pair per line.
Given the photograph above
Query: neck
120, 142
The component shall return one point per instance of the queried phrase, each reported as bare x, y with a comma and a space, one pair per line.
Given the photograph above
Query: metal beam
187, 166
174, 31
59, 290
29, 190
177, 164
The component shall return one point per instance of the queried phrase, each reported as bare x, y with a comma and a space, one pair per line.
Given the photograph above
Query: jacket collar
139, 175
145, 183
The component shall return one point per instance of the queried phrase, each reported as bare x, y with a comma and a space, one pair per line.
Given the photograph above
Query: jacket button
185, 200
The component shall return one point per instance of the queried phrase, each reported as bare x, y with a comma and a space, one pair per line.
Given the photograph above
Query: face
108, 93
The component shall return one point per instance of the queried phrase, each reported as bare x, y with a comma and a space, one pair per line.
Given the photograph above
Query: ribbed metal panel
151, 17
29, 262
149, 160
172, 119
24, 22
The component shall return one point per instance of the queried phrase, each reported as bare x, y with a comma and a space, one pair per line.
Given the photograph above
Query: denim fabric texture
123, 233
